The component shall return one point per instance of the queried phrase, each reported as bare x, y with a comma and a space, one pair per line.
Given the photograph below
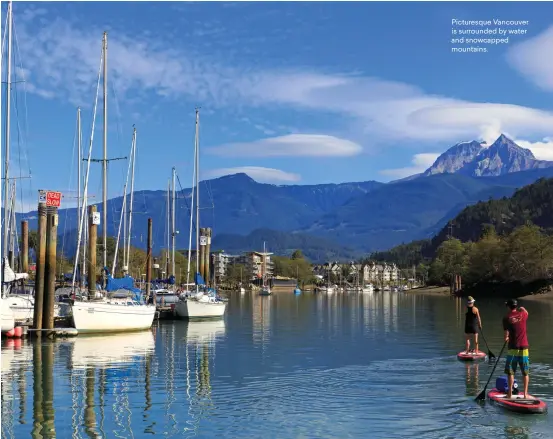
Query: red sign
53, 199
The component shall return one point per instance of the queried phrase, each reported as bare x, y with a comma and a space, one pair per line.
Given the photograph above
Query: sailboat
202, 303
265, 289
106, 314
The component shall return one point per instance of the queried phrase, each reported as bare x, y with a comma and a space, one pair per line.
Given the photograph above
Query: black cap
511, 302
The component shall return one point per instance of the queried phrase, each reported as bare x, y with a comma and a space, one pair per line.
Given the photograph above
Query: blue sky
291, 93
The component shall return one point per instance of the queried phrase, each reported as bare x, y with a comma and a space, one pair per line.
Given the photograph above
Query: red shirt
515, 323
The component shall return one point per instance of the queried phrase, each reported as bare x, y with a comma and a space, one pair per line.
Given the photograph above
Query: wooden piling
40, 268
201, 268
24, 246
149, 260
92, 238
50, 284
207, 254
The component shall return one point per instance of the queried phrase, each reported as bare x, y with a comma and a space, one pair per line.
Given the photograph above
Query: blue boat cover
199, 279
120, 283
170, 280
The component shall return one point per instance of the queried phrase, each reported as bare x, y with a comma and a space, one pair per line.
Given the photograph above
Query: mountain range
330, 220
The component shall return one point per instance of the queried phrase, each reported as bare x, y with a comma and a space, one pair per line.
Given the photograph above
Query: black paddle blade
481, 396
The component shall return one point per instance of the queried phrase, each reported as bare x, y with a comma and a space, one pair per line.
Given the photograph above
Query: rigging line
69, 189
187, 205
4, 37
26, 154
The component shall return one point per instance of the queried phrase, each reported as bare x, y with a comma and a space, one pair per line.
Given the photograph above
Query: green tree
529, 254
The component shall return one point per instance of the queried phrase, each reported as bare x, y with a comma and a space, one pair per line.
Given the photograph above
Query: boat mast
168, 228
7, 133
132, 197
173, 231
105, 159
197, 148
191, 216
79, 160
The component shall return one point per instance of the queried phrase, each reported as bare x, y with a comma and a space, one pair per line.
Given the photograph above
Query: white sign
209, 239
42, 196
203, 240
96, 218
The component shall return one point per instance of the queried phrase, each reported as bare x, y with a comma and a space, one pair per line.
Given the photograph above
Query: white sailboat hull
194, 309
111, 317
23, 307
7, 316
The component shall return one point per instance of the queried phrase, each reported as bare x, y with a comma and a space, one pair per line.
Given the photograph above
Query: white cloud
258, 173
421, 162
64, 58
533, 59
543, 150
301, 145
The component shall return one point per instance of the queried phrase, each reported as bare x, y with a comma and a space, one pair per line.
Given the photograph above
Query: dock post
40, 269
207, 254
92, 239
24, 246
149, 260
201, 268
50, 284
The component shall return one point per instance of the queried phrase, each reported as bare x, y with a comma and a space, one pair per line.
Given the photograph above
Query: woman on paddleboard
472, 325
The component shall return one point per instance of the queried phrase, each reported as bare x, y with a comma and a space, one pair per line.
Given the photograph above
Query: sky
290, 93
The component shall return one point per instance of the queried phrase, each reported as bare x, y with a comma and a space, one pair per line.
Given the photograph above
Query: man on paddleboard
514, 325
472, 324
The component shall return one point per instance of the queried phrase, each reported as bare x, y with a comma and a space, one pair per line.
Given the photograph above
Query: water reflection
370, 359
472, 379
261, 319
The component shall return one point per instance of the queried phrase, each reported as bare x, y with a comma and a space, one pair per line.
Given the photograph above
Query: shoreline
538, 297
431, 291
445, 291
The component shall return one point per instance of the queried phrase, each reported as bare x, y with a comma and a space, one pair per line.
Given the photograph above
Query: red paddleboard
517, 403
471, 356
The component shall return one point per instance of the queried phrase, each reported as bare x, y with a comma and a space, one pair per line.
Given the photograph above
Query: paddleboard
517, 403
471, 356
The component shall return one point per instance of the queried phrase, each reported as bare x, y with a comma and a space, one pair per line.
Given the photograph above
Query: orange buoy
18, 331
10, 333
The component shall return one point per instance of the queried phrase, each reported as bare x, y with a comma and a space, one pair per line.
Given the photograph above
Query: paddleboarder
472, 324
514, 325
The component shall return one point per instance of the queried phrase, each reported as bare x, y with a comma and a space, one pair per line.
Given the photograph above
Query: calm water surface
310, 366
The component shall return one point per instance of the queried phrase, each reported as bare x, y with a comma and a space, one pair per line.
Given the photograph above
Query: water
283, 366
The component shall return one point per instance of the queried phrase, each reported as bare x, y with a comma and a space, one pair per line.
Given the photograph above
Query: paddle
482, 395
490, 353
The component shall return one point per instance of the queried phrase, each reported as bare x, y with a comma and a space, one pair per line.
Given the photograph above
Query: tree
235, 274
297, 254
529, 254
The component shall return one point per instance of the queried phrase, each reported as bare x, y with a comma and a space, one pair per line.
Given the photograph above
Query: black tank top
471, 319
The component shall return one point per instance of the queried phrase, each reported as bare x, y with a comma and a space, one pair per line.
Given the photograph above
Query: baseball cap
511, 302
470, 299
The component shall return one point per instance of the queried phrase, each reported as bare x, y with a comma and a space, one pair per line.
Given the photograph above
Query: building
380, 273
220, 262
253, 263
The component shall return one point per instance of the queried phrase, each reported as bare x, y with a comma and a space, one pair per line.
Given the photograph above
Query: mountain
455, 158
316, 249
234, 204
410, 210
532, 203
473, 159
362, 216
